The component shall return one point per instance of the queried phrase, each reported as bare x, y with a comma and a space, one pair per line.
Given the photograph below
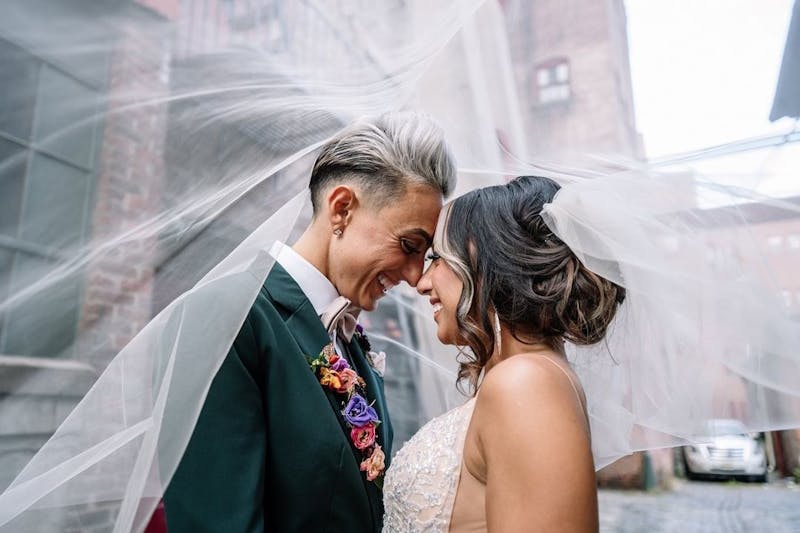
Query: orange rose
374, 464
330, 378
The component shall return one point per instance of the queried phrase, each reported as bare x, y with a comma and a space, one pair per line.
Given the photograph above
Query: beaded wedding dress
420, 487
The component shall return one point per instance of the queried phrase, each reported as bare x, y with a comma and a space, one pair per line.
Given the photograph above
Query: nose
413, 270
424, 284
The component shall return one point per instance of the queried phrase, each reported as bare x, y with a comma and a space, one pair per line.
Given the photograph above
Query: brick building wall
573, 73
118, 291
119, 282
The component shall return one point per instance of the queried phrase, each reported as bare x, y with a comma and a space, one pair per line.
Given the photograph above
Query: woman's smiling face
443, 287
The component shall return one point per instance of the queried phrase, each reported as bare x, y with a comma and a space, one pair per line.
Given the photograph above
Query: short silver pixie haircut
383, 156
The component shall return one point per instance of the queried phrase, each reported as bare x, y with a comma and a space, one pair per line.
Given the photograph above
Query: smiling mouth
385, 282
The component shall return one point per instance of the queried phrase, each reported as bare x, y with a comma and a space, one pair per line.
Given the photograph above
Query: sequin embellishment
420, 487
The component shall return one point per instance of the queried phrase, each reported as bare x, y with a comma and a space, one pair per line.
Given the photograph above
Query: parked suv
729, 452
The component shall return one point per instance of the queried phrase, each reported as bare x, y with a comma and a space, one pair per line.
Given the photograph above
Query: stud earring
338, 232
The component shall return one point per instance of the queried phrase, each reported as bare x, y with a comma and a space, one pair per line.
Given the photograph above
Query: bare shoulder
537, 385
529, 374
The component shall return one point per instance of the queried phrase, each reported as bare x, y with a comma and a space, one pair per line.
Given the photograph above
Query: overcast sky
704, 71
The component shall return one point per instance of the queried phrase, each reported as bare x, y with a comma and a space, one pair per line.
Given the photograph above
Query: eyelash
432, 256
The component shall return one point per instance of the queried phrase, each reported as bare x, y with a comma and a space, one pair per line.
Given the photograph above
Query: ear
341, 202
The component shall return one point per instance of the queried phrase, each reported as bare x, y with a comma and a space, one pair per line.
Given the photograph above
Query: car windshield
720, 428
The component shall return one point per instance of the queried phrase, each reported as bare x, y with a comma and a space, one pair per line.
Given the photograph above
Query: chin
444, 337
369, 304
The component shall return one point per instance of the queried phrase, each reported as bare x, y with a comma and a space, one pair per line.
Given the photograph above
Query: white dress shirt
317, 288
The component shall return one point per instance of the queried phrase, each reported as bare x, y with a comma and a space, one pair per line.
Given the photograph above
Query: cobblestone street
703, 507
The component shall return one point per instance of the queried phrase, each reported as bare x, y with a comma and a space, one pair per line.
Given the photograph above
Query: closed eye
409, 248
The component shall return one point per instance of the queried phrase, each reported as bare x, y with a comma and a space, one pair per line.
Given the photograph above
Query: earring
338, 232
497, 337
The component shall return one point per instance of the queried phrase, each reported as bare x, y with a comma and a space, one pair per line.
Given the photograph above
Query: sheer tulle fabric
179, 151
695, 325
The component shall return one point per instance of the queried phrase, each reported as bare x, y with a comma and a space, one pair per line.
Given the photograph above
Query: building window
552, 81
47, 146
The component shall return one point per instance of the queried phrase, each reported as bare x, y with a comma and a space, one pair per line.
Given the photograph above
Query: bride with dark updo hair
517, 456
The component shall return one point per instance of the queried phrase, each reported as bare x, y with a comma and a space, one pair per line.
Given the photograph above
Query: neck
511, 346
313, 247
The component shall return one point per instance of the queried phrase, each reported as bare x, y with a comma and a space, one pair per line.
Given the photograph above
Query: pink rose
363, 437
374, 464
348, 378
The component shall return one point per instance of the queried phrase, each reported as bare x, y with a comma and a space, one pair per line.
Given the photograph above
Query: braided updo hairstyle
510, 262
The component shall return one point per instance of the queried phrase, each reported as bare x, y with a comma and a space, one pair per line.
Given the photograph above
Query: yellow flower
330, 378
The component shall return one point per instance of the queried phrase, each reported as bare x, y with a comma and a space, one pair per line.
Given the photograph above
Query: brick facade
590, 37
131, 172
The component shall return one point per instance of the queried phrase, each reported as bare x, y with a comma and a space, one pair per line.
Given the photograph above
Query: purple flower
358, 413
362, 339
340, 364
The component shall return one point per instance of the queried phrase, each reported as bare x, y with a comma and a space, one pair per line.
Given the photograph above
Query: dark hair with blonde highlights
510, 262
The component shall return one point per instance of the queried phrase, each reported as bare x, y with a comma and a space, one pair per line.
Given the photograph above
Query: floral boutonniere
377, 360
335, 373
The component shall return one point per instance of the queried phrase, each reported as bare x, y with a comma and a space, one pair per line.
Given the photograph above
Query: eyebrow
421, 233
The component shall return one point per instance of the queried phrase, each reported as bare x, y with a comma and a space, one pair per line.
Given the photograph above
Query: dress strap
574, 387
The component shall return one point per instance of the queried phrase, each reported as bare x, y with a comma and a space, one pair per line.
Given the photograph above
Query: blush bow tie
341, 316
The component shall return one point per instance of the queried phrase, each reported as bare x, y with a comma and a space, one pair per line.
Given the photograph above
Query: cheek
347, 261
452, 289
391, 260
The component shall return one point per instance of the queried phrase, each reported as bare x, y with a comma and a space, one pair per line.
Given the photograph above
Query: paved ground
703, 507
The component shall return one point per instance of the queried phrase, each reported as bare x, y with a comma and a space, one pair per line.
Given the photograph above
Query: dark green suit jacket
271, 451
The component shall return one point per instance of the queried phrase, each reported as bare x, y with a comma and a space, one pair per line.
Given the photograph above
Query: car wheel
686, 470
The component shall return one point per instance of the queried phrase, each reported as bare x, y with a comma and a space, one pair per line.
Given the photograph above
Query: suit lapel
304, 325
302, 320
373, 391
311, 336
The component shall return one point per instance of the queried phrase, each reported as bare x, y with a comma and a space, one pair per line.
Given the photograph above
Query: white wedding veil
152, 151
